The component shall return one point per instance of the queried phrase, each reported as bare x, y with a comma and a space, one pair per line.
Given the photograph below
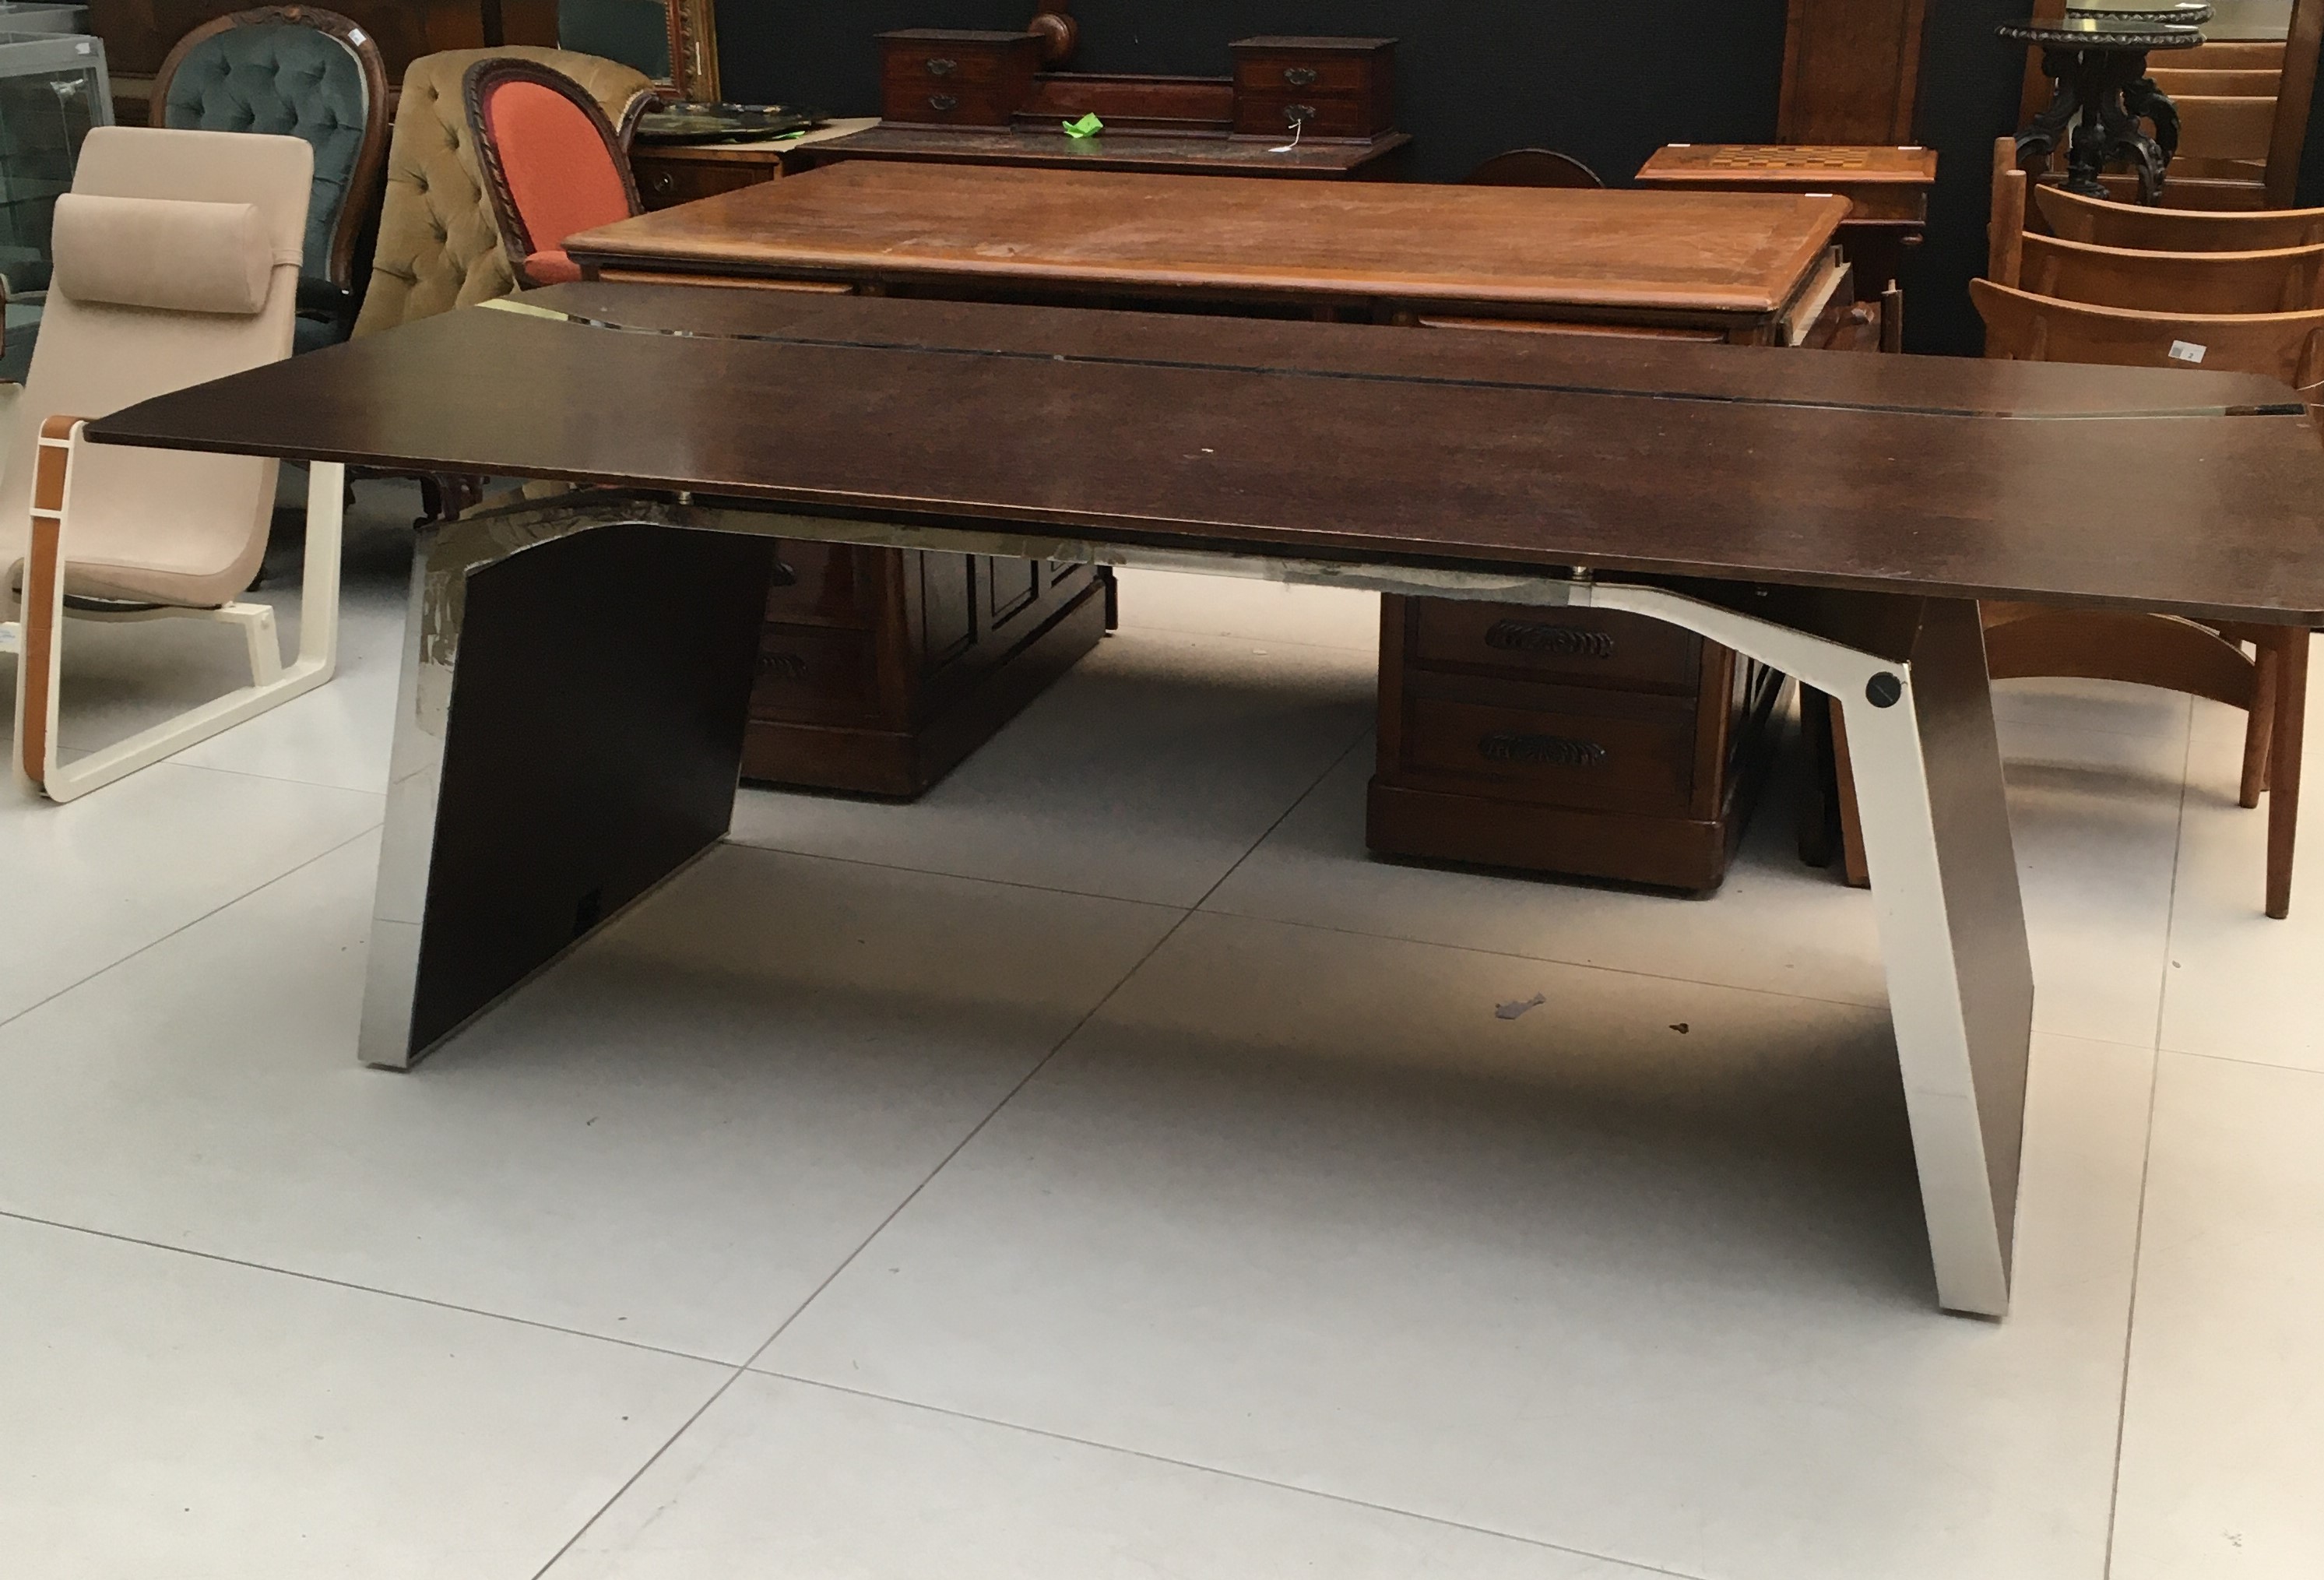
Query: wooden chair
553, 163
1534, 167
2277, 276
2106, 223
2284, 280
313, 75
2024, 641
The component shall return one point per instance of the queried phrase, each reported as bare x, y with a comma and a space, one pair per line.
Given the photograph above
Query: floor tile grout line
1806, 998
1235, 1475
2146, 1152
942, 1163
349, 1284
2249, 1064
857, 861
849, 1259
285, 779
151, 944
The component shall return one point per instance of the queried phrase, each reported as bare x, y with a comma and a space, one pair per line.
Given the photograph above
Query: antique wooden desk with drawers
1602, 745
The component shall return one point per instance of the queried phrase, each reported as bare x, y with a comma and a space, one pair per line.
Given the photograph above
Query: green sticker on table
1087, 126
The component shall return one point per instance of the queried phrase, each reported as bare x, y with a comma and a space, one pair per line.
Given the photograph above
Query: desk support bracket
631, 774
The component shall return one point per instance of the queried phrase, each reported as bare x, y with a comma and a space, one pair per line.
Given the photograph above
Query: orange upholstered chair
553, 165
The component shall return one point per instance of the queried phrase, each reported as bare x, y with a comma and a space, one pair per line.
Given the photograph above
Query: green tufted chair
315, 76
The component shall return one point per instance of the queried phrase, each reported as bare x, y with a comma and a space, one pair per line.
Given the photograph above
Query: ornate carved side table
2097, 62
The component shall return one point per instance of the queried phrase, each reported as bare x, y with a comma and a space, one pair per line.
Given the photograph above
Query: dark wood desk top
1892, 475
1150, 152
1675, 252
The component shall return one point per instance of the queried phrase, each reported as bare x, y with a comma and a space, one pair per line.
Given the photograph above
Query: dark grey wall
1609, 83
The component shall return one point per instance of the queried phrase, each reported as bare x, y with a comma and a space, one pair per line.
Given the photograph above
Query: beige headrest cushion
162, 253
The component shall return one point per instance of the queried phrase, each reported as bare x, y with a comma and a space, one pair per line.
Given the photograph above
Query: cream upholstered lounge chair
177, 262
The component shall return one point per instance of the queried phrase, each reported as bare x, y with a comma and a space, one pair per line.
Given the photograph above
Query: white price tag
2186, 351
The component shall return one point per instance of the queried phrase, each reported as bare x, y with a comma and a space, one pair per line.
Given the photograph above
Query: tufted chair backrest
439, 248
296, 71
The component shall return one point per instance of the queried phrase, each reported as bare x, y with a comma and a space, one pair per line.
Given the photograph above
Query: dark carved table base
2103, 101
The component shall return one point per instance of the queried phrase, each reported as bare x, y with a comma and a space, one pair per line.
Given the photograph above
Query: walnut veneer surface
2193, 492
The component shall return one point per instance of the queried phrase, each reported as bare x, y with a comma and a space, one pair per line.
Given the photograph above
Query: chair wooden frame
2026, 640
2073, 217
516, 239
2280, 281
1534, 167
362, 203
38, 639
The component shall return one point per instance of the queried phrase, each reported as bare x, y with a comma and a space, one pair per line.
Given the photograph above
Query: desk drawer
1278, 110
1637, 758
665, 184
811, 674
1581, 647
1298, 74
942, 105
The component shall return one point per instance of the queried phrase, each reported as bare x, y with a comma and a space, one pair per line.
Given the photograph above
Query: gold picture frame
693, 49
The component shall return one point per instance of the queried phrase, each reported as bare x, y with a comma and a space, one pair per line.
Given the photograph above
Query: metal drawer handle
1541, 751
1557, 641
943, 103
782, 666
1301, 75
1298, 114
940, 66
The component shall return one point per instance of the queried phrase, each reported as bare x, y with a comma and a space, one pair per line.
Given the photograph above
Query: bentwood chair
553, 165
177, 262
2127, 267
2101, 223
1534, 167
2208, 660
314, 75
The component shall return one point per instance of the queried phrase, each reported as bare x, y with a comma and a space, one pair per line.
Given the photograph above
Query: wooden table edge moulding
546, 777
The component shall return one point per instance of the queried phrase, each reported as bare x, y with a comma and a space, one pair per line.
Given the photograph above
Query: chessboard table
1887, 187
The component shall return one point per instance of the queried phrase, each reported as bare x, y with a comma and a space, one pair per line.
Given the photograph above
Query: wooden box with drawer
1341, 90
939, 77
1598, 743
880, 668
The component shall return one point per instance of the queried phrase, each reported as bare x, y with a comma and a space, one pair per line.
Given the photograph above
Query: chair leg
1853, 862
272, 685
2259, 728
2283, 780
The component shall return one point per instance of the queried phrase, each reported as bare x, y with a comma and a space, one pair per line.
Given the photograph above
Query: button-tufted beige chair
437, 247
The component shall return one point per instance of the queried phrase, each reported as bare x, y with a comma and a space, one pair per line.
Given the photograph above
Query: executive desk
1595, 745
577, 672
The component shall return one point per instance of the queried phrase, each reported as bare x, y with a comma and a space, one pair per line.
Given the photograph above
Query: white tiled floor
1101, 1169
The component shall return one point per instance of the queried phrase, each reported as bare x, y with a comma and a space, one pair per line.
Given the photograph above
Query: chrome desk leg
1944, 884
569, 733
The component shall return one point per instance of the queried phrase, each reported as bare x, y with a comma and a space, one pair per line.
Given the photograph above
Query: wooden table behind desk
1747, 269
1607, 746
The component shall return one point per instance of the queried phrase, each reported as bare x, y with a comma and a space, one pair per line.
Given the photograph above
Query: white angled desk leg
1944, 884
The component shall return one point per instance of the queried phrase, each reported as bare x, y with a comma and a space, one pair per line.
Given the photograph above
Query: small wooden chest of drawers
1572, 741
943, 78
1334, 90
